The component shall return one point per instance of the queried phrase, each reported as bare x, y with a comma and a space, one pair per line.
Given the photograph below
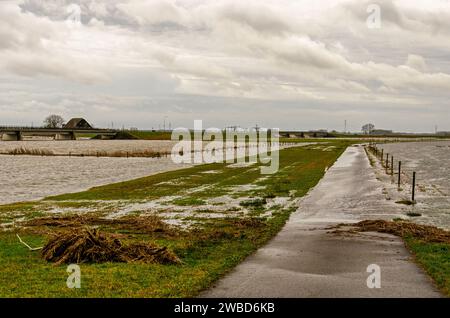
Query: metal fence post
392, 165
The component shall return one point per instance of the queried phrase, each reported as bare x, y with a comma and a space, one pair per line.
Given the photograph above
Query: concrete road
306, 260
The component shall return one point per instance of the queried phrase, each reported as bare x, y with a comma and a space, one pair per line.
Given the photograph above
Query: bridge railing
20, 128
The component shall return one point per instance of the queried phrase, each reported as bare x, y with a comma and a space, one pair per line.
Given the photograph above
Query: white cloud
154, 12
308, 53
416, 62
32, 46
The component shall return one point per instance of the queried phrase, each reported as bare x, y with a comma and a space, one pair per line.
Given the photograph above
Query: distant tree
54, 121
368, 128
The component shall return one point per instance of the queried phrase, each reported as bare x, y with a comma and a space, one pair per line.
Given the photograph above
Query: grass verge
435, 260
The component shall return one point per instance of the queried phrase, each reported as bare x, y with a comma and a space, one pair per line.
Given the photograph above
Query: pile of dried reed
403, 229
30, 152
91, 246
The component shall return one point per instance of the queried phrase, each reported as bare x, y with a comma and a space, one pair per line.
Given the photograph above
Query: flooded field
431, 162
24, 178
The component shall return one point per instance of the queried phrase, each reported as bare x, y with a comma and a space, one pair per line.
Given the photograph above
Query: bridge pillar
106, 137
65, 136
12, 136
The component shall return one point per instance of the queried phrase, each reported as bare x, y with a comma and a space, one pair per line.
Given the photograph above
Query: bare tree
368, 128
54, 121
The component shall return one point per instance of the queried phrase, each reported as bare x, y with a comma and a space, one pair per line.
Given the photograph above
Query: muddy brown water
24, 178
431, 162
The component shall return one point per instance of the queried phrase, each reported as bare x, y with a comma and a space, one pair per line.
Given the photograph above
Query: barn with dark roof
77, 123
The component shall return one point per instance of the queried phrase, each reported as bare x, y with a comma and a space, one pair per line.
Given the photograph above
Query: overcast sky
290, 64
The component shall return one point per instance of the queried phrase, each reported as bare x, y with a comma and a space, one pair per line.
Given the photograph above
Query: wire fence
398, 169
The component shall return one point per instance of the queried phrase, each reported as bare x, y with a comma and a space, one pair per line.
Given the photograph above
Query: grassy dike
208, 249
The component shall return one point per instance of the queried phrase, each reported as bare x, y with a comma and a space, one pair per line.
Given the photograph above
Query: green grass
188, 202
152, 135
167, 135
256, 203
140, 134
434, 258
209, 251
413, 214
25, 274
300, 168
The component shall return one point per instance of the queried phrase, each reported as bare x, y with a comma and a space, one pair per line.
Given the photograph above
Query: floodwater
431, 162
24, 178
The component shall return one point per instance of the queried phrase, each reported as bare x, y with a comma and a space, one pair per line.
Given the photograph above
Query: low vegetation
208, 243
119, 154
405, 202
434, 258
29, 152
151, 135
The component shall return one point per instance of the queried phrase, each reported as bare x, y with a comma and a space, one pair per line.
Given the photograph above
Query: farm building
77, 123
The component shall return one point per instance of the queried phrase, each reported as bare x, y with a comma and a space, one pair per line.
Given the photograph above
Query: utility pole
345, 126
165, 123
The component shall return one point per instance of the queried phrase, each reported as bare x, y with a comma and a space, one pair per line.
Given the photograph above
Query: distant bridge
12, 133
304, 134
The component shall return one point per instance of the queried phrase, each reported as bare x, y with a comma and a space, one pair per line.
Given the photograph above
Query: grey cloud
25, 48
407, 18
249, 58
390, 13
262, 18
417, 62
106, 11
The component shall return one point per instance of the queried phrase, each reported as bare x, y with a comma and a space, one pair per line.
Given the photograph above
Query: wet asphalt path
306, 260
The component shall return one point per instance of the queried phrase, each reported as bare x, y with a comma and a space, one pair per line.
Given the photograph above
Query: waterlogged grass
188, 202
300, 167
152, 187
208, 251
257, 203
